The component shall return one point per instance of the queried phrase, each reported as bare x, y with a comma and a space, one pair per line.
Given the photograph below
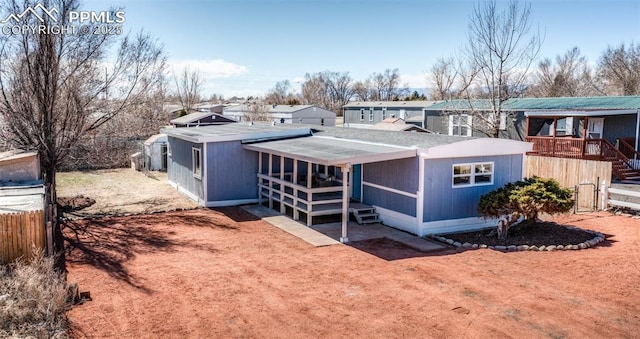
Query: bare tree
330, 90
54, 87
257, 111
188, 88
386, 86
452, 78
502, 48
282, 94
570, 76
619, 70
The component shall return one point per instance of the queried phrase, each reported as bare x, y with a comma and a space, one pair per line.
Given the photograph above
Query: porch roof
333, 151
595, 113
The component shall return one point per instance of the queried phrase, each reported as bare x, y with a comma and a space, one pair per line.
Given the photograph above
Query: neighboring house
22, 206
364, 114
597, 128
17, 166
21, 187
397, 124
201, 119
419, 182
282, 114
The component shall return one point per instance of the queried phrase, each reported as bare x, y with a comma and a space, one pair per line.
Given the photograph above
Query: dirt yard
223, 273
121, 191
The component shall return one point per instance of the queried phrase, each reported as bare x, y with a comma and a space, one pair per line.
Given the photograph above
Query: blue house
418, 182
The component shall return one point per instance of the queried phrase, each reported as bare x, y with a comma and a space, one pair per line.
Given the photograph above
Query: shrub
526, 198
33, 300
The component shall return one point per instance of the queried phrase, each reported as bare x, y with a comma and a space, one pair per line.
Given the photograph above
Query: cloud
210, 69
414, 81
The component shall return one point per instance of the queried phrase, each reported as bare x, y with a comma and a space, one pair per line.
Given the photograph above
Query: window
384, 113
362, 114
474, 174
196, 163
322, 122
460, 124
371, 114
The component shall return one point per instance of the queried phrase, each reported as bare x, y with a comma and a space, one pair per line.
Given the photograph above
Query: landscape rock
474, 246
523, 248
542, 248
551, 248
457, 244
582, 245
511, 247
501, 248
533, 248
466, 245
449, 241
483, 246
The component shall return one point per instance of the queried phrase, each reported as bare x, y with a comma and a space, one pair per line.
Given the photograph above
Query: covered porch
582, 134
314, 176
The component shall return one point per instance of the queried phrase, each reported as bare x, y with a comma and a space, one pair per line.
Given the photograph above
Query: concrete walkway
290, 226
329, 234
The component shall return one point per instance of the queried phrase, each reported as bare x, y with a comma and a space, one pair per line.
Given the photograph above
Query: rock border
598, 238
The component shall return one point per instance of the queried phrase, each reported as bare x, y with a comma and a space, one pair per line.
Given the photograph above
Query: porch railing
578, 148
310, 201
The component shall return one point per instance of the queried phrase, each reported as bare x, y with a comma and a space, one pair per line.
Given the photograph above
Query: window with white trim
472, 174
371, 114
196, 164
362, 114
460, 124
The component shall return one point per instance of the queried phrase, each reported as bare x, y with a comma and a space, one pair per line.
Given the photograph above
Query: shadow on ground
109, 243
389, 249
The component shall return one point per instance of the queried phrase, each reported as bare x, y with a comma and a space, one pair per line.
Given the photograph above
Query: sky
243, 47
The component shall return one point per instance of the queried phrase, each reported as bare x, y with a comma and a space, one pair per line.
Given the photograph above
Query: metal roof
333, 151
16, 154
394, 104
195, 116
268, 108
529, 104
21, 198
236, 131
395, 138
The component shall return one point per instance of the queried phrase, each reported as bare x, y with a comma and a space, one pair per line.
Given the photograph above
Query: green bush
526, 198
33, 300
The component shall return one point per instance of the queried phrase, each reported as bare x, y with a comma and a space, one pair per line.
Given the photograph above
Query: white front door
595, 128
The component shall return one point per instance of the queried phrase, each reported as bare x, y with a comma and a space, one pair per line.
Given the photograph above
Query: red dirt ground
223, 273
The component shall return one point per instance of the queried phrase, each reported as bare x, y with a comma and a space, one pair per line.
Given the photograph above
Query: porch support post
345, 202
270, 173
585, 124
259, 179
526, 131
555, 131
420, 195
309, 194
283, 208
635, 154
294, 177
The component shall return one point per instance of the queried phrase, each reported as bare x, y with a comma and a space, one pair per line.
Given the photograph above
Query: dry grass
33, 300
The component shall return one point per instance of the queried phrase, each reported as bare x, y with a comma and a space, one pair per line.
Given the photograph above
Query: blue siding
389, 200
179, 166
231, 172
443, 202
619, 126
399, 174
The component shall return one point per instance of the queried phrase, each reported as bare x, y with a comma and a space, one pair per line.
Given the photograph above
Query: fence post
604, 196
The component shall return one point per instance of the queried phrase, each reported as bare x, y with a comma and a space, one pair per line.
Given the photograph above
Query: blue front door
356, 192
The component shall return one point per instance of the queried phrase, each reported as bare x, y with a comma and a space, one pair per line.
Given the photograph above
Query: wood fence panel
19, 234
571, 172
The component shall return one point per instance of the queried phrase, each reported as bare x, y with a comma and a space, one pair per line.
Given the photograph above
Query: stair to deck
365, 214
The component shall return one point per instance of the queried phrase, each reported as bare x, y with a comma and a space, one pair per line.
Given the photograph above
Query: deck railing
313, 201
562, 147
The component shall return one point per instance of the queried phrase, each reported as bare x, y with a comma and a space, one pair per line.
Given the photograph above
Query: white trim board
224, 203
480, 147
397, 220
184, 191
389, 189
456, 225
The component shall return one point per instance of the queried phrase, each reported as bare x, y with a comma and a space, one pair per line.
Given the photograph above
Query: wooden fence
20, 233
585, 175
